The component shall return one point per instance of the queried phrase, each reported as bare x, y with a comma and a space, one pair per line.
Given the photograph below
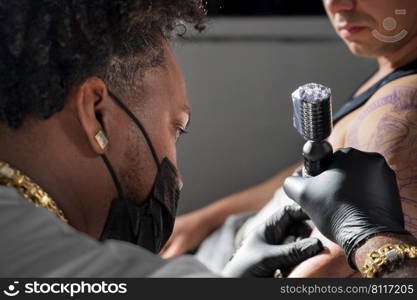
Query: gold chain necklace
28, 189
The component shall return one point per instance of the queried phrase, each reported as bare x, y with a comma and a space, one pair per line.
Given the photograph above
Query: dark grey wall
240, 75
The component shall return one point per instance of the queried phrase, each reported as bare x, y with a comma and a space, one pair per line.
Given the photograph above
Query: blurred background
263, 7
240, 74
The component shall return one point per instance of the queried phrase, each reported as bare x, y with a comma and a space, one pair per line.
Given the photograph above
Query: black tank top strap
356, 102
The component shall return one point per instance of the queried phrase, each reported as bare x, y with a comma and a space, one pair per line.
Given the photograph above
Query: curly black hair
48, 46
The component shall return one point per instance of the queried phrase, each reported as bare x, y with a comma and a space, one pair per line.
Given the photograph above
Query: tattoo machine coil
312, 105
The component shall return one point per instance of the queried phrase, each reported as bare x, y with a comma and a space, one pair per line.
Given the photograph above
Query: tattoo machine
313, 120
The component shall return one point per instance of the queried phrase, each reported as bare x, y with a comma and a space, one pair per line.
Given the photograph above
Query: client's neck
399, 58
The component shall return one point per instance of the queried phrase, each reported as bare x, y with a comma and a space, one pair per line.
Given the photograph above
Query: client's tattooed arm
388, 125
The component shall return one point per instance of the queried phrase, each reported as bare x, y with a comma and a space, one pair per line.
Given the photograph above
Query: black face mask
150, 224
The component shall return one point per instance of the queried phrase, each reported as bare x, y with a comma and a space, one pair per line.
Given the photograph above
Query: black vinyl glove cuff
350, 245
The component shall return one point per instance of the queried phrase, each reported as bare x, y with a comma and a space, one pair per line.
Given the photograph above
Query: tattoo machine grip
312, 105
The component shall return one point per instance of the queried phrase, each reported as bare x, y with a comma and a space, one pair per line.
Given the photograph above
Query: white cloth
217, 249
35, 243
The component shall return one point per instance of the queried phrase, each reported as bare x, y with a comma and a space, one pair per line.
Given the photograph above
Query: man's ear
91, 102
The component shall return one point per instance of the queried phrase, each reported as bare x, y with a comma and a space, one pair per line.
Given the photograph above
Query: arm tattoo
395, 137
410, 221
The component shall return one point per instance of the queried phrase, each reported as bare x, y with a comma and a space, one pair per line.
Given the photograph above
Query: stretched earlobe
101, 140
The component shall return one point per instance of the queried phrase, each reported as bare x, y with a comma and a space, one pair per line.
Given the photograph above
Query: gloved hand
260, 254
355, 198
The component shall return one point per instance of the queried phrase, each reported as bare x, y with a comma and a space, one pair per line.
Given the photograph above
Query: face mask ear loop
114, 177
116, 183
139, 124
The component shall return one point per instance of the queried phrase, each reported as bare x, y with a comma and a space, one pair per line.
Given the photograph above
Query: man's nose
337, 6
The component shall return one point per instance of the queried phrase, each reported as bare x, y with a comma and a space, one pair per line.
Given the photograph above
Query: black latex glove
260, 255
355, 198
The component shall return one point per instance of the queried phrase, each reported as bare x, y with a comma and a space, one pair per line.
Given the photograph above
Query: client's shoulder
397, 98
397, 95
387, 123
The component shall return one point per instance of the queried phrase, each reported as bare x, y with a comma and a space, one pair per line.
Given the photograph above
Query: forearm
252, 199
409, 266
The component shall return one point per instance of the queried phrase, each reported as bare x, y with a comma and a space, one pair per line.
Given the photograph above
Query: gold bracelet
387, 257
